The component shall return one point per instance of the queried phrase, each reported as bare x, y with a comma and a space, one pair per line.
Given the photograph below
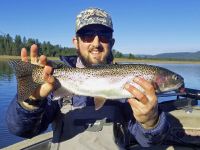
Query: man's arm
30, 117
145, 137
150, 125
28, 123
149, 137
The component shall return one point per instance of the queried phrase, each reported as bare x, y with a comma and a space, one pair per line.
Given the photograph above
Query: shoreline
121, 60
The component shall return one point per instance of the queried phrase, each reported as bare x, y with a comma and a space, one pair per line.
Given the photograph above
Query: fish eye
174, 77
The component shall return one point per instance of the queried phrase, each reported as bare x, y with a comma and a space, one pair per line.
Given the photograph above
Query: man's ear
112, 42
75, 42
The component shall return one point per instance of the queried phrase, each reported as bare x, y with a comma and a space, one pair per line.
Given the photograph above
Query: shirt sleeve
26, 123
147, 138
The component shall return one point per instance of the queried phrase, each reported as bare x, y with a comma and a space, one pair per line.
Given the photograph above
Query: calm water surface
190, 72
7, 92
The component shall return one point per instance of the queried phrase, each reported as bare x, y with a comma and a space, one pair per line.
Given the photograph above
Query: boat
184, 134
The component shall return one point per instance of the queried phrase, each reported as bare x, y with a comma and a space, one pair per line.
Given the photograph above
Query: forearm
153, 136
26, 123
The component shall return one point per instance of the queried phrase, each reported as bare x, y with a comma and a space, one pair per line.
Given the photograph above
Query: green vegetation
12, 46
156, 61
118, 54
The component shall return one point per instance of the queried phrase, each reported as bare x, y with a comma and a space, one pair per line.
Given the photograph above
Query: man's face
94, 44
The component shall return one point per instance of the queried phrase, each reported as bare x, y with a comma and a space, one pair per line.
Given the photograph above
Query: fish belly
109, 88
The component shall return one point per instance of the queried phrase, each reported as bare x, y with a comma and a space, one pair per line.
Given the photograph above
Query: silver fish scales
104, 81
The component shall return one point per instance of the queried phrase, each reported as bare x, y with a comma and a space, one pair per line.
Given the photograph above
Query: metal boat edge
182, 113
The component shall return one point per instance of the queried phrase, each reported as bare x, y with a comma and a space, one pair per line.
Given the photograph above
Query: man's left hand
144, 104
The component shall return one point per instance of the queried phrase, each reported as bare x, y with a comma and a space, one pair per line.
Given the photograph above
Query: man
76, 124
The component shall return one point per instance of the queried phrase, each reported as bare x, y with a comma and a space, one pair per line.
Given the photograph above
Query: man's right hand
42, 91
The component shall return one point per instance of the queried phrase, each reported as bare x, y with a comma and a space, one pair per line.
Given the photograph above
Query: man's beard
86, 60
89, 61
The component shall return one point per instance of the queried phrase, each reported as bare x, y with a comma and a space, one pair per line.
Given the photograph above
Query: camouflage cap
93, 16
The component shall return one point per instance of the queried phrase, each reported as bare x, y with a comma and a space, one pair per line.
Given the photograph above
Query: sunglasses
87, 36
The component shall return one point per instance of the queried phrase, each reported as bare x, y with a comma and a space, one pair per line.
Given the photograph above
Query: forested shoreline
12, 47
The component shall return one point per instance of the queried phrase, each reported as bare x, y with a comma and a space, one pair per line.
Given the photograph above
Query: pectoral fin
99, 102
61, 93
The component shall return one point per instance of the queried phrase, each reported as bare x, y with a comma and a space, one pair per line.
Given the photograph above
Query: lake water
190, 72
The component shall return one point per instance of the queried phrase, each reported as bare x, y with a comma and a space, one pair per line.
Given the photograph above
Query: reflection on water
7, 92
190, 72
6, 72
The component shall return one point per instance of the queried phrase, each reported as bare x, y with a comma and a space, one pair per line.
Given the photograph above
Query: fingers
143, 103
147, 86
136, 93
24, 56
143, 96
42, 91
149, 90
34, 54
47, 75
136, 106
43, 60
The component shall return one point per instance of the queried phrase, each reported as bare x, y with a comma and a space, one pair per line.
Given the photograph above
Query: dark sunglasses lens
104, 39
88, 37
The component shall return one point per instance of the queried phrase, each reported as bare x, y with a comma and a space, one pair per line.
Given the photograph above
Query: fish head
169, 81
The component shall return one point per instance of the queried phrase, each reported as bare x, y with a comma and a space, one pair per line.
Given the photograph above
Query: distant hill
176, 55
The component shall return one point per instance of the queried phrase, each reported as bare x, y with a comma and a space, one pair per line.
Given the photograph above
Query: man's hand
43, 90
144, 104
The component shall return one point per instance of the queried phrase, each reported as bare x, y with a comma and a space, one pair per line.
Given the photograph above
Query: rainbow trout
102, 81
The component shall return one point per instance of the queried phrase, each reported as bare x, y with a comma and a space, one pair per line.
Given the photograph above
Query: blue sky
141, 26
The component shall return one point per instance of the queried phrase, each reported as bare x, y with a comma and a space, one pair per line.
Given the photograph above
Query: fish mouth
179, 87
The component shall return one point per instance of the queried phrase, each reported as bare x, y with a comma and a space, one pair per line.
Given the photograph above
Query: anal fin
99, 102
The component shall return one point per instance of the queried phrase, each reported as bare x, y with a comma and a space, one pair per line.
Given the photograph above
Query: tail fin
25, 84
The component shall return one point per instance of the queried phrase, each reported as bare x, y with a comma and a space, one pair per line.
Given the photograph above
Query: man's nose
96, 41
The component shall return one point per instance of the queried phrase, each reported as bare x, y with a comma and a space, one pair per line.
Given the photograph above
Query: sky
140, 26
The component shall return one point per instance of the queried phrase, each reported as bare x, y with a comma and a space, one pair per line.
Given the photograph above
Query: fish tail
25, 83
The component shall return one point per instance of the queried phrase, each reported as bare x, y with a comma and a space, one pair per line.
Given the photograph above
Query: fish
102, 82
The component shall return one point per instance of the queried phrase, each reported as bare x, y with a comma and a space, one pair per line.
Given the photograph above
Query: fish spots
104, 80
